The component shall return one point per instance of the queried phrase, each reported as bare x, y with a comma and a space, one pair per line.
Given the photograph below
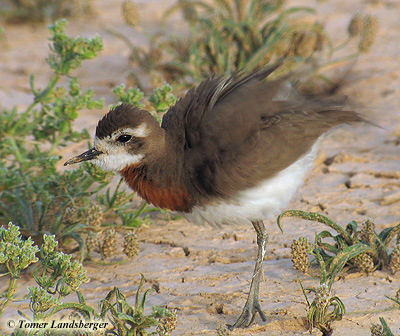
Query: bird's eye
124, 138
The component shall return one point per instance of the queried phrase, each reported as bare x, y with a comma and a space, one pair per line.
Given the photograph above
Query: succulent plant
300, 249
373, 246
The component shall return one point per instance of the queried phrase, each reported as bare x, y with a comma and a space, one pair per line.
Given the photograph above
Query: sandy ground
205, 273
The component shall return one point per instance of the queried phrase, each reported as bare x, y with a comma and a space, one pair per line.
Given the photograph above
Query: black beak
88, 155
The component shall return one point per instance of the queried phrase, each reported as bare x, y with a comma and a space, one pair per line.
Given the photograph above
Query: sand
203, 272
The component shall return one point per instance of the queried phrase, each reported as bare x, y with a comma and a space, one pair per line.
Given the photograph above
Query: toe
247, 316
244, 319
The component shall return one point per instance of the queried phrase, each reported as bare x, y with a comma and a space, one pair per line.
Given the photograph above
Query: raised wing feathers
233, 133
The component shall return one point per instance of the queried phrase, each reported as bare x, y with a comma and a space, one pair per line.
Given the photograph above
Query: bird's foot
247, 316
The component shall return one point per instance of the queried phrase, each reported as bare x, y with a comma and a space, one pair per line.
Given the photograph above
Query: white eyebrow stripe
141, 131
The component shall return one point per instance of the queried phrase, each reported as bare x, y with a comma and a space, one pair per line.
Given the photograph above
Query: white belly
261, 202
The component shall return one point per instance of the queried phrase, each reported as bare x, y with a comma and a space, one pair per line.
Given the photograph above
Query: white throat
114, 158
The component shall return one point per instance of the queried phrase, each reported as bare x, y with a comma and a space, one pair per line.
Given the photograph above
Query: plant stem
53, 82
141, 209
344, 59
17, 153
10, 293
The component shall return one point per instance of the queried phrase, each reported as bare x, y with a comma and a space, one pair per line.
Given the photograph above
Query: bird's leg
252, 305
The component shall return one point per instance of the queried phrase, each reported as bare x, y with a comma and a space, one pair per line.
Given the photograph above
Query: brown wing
234, 133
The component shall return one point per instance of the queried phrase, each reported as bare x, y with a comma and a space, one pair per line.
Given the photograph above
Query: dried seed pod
92, 241
368, 33
356, 25
188, 10
304, 43
95, 216
394, 263
182, 47
130, 13
364, 262
367, 233
131, 244
377, 330
109, 246
168, 324
156, 79
300, 249
281, 48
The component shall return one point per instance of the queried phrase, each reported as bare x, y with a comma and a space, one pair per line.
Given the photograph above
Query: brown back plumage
233, 133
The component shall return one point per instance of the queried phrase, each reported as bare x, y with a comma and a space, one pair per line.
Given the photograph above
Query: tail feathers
335, 110
338, 117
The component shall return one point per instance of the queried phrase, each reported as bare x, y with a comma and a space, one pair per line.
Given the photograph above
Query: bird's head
125, 136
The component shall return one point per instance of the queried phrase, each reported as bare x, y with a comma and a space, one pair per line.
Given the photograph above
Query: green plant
58, 276
33, 194
225, 37
157, 103
375, 254
161, 100
229, 35
16, 254
44, 10
130, 320
119, 202
325, 307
